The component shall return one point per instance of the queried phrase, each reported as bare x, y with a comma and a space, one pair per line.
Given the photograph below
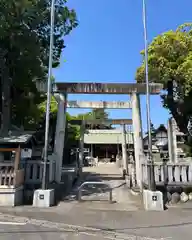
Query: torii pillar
60, 134
124, 151
138, 136
81, 147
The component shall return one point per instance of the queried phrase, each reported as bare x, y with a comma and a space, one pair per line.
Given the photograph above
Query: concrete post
1, 157
60, 134
124, 150
81, 146
138, 136
51, 168
172, 141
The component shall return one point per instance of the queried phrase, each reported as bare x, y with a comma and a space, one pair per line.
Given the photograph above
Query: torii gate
122, 122
61, 91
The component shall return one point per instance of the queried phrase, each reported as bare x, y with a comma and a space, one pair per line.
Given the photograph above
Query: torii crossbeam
100, 121
106, 88
99, 104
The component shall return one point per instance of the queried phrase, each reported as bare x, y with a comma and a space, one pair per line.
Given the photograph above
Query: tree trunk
0, 102
6, 116
5, 98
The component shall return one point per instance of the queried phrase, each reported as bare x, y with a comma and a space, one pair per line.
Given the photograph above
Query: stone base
153, 201
11, 197
43, 198
128, 181
119, 163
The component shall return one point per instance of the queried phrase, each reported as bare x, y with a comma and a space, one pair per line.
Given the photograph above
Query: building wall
106, 137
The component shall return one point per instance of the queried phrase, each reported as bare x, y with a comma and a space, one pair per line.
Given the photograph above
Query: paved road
174, 224
31, 232
28, 231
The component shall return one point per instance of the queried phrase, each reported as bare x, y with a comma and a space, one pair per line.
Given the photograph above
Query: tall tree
24, 42
170, 63
100, 114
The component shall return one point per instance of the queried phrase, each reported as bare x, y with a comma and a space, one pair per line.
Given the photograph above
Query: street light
150, 156
52, 14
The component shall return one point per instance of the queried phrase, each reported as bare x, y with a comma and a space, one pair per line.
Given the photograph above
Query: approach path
96, 196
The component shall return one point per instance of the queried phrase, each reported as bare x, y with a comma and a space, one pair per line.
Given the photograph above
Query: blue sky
107, 43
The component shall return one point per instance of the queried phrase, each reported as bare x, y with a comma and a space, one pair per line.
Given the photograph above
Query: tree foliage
170, 63
72, 133
95, 114
98, 114
24, 51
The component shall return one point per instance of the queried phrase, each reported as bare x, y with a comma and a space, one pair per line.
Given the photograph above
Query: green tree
72, 132
100, 114
170, 63
24, 50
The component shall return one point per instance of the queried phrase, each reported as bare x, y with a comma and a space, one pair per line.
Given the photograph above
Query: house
159, 142
167, 141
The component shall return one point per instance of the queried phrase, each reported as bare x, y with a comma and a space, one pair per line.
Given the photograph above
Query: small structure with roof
12, 149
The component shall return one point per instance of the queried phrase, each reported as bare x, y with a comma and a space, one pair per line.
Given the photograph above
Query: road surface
27, 231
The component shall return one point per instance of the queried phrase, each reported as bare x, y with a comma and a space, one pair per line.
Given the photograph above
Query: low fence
30, 172
9, 177
6, 175
34, 171
172, 174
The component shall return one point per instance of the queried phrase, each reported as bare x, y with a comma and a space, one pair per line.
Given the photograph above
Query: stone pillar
60, 134
137, 136
92, 150
172, 142
51, 167
1, 157
124, 151
81, 146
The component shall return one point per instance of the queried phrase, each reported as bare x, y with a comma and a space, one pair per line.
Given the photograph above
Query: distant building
167, 141
159, 142
105, 143
159, 139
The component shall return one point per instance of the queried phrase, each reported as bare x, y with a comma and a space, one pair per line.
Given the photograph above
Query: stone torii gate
61, 90
122, 122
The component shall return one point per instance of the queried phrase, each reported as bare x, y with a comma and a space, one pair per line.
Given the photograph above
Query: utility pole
52, 14
151, 176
